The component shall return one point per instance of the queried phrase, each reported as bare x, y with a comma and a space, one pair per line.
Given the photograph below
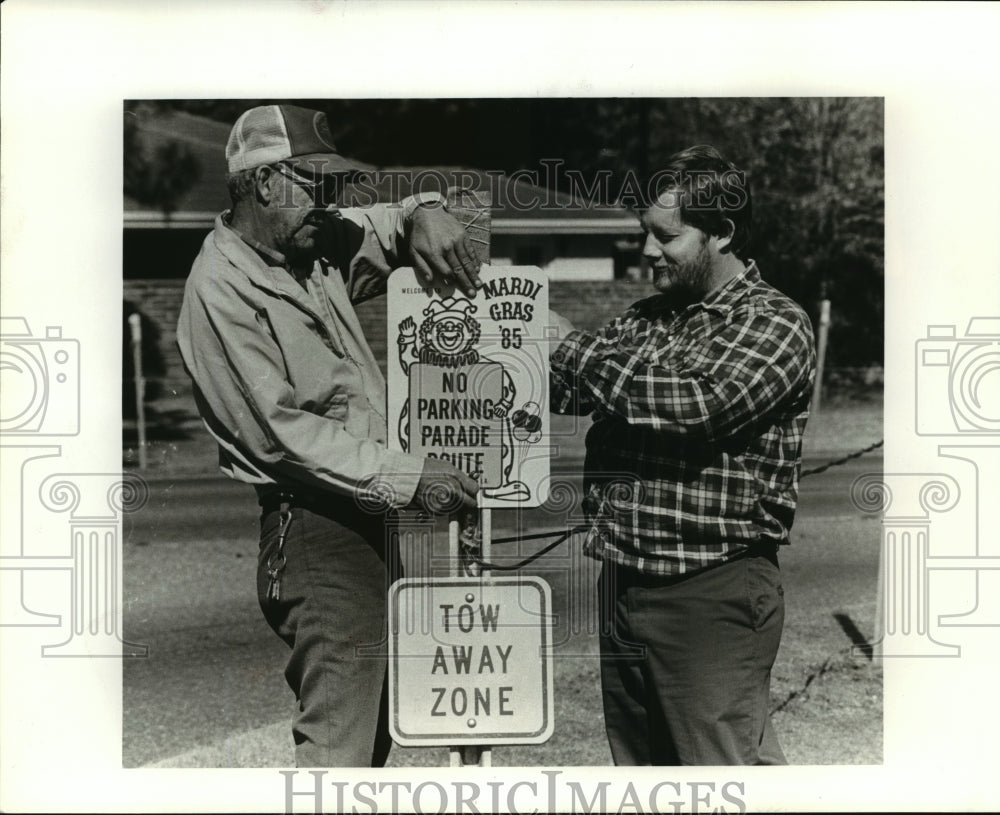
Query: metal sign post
821, 340
470, 755
135, 327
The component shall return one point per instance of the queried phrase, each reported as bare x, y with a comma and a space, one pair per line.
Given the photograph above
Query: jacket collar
264, 267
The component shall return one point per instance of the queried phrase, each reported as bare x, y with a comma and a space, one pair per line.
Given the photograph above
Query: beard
688, 281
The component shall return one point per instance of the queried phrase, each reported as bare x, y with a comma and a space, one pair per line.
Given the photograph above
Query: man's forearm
725, 388
565, 393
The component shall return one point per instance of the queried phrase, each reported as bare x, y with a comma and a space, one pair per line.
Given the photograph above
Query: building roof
517, 206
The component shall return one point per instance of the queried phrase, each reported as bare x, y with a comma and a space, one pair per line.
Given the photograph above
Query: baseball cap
297, 136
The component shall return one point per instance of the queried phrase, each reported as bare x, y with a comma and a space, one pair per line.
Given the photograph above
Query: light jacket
283, 377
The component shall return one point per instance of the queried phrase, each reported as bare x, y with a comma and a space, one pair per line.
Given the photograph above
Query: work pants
686, 663
331, 611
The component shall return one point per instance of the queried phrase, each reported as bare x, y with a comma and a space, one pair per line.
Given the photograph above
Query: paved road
215, 668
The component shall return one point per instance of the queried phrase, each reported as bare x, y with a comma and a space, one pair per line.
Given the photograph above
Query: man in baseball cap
297, 136
291, 391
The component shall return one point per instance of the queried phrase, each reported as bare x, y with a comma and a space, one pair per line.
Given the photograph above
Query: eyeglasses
324, 190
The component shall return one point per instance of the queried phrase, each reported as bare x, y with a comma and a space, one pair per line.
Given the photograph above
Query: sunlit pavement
215, 669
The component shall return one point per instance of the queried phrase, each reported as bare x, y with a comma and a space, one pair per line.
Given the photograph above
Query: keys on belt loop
276, 562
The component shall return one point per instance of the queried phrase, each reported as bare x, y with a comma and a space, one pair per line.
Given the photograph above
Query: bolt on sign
470, 661
468, 378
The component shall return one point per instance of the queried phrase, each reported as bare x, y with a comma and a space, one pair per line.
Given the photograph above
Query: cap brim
327, 164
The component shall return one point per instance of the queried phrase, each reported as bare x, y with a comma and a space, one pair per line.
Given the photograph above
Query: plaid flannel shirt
698, 419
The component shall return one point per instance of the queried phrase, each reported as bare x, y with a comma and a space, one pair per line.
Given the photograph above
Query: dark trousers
332, 614
686, 664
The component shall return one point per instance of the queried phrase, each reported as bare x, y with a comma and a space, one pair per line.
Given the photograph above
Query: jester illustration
446, 339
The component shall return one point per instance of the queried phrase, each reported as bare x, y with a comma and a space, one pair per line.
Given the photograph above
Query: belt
764, 549
299, 497
326, 503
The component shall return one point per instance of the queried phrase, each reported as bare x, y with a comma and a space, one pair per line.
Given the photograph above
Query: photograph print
510, 431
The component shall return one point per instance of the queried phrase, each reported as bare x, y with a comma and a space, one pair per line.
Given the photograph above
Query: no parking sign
468, 379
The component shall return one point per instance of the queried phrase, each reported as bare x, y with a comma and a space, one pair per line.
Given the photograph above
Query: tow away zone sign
470, 661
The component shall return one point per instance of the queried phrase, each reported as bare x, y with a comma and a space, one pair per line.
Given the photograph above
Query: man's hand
444, 489
562, 326
439, 245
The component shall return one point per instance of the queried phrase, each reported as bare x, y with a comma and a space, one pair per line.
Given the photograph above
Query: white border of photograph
67, 67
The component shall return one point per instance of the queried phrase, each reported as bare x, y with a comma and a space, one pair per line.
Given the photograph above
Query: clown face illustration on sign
469, 381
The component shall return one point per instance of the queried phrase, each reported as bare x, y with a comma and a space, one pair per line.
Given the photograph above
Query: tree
156, 176
816, 170
815, 167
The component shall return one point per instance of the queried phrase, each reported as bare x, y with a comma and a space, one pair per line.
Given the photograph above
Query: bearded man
700, 396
